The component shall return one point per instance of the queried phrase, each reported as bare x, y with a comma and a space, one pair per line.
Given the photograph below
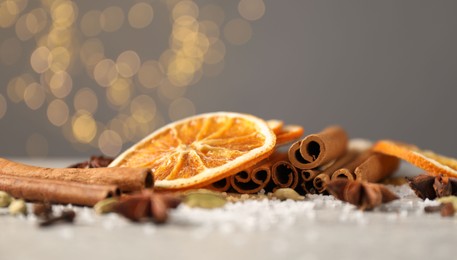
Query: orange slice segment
199, 150
275, 125
429, 161
288, 134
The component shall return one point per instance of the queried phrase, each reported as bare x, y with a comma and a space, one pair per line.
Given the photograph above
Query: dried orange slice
200, 150
429, 161
288, 134
275, 125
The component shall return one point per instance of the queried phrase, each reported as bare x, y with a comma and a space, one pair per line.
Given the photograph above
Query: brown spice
364, 195
430, 187
447, 209
67, 216
147, 205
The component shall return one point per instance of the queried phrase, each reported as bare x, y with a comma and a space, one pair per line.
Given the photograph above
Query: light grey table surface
317, 228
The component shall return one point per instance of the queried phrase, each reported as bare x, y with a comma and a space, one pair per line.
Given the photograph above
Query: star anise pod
364, 195
93, 162
147, 205
431, 187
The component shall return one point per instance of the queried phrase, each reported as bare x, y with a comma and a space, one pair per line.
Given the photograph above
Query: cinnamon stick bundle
53, 191
318, 149
251, 180
127, 179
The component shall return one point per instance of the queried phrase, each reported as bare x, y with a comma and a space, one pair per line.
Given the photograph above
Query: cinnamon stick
347, 171
53, 191
284, 175
318, 149
127, 179
251, 180
376, 167
222, 185
309, 175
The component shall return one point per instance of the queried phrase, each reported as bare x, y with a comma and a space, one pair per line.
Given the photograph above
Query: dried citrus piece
275, 125
199, 150
429, 161
288, 134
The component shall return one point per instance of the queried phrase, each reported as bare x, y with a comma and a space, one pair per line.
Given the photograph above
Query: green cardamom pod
207, 200
5, 199
105, 206
287, 193
17, 207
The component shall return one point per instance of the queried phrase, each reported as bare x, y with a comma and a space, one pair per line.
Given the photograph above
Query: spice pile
213, 159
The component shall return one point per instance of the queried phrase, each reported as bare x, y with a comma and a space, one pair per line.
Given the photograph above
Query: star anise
147, 205
93, 162
364, 195
431, 187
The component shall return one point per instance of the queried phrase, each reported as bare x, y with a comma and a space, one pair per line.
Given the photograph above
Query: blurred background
94, 77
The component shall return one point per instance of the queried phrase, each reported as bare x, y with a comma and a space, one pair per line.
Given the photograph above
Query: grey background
381, 69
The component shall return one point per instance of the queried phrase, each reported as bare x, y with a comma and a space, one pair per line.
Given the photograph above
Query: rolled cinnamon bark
309, 175
284, 175
320, 182
62, 192
376, 167
295, 156
321, 148
251, 180
222, 185
347, 171
127, 179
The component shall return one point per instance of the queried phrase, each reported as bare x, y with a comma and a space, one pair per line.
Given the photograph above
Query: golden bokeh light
58, 112
110, 143
92, 51
90, 23
143, 109
118, 94
3, 106
61, 58
140, 15
10, 51
170, 91
185, 8
105, 72
41, 59
84, 127
85, 100
34, 96
36, 20
150, 74
22, 31
128, 63
251, 9
111, 19
36, 145
237, 31
69, 45
61, 84
181, 108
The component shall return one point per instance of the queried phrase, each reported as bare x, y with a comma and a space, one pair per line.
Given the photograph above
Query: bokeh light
74, 52
251, 9
140, 15
58, 112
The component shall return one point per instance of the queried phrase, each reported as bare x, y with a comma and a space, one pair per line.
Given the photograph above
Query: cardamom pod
5, 199
17, 207
287, 193
205, 200
449, 199
105, 206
